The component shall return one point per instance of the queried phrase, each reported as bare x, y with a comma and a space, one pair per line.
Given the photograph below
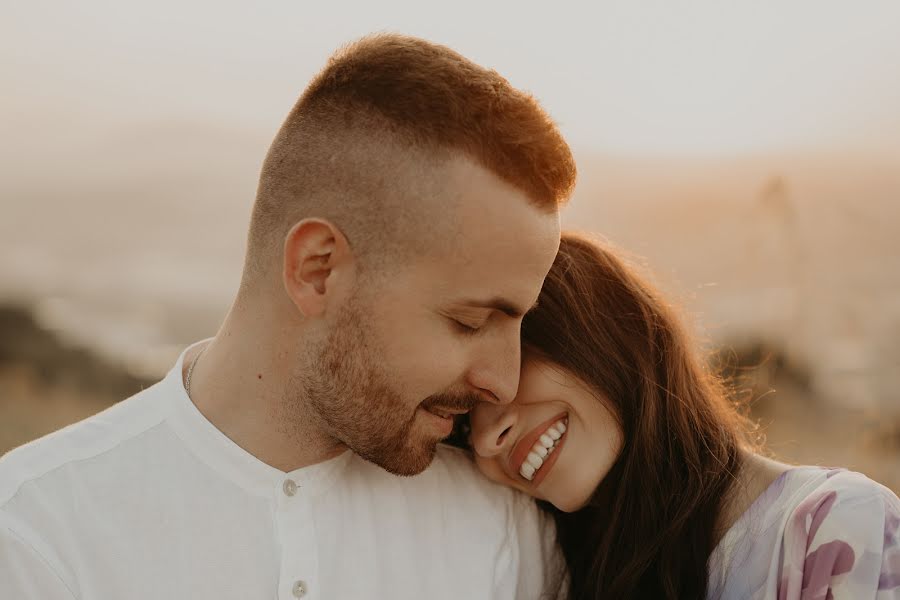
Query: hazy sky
623, 77
138, 127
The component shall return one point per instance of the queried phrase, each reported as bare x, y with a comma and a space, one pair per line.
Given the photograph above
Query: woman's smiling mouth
537, 451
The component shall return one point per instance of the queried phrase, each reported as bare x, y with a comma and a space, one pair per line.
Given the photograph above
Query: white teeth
534, 460
545, 446
527, 471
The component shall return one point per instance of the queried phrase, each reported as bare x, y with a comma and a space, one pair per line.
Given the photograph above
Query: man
405, 219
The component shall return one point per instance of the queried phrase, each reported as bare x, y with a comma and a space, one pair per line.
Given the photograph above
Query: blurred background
748, 153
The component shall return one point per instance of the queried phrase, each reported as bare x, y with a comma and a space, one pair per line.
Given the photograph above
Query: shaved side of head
373, 184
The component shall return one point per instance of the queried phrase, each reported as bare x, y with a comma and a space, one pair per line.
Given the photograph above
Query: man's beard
356, 404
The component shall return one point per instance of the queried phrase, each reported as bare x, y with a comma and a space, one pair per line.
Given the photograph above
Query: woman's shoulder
852, 486
815, 530
841, 503
841, 533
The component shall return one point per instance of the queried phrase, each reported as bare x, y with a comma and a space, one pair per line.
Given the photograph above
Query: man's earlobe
313, 249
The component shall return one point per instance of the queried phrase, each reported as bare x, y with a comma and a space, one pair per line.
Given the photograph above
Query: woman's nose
492, 426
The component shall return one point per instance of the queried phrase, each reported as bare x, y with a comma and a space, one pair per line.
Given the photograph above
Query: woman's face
556, 441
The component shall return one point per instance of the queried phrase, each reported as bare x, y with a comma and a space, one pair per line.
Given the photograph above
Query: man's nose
491, 429
496, 370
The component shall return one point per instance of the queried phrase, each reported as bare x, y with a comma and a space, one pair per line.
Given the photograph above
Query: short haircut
361, 142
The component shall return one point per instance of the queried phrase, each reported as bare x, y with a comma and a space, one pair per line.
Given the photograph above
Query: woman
652, 476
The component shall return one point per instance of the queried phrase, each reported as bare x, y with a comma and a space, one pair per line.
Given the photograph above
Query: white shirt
147, 499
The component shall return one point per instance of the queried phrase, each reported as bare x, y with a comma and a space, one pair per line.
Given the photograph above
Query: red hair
381, 117
437, 97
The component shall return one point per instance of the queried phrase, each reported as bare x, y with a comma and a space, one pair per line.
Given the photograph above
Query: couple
405, 274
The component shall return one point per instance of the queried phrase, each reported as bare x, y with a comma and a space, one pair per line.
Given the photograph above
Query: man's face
425, 343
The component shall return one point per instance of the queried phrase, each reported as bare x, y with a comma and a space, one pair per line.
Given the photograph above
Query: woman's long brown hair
649, 528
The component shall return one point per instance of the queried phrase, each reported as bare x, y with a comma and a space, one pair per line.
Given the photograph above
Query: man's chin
408, 462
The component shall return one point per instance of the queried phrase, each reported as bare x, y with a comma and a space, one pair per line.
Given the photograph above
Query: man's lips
527, 441
446, 413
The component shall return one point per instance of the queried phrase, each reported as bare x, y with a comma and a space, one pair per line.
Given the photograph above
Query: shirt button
290, 488
299, 589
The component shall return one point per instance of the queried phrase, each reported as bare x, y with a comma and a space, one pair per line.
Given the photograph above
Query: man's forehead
497, 246
490, 215
506, 277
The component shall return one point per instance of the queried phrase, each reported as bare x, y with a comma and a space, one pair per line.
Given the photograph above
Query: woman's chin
565, 500
568, 506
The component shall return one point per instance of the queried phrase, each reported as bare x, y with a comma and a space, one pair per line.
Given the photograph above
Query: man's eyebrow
503, 305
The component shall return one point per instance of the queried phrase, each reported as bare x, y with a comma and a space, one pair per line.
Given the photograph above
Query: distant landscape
786, 263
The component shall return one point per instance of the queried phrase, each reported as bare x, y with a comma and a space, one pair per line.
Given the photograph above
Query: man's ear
319, 266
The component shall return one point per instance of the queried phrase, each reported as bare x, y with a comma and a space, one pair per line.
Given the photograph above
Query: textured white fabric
149, 500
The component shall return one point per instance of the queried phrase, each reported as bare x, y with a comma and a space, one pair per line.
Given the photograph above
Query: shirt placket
299, 551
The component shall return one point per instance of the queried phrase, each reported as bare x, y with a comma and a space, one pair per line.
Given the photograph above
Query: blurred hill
46, 383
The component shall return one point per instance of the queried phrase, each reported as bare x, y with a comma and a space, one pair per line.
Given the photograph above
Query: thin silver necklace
187, 379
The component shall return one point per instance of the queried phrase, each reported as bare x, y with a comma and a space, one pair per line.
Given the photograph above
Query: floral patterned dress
814, 534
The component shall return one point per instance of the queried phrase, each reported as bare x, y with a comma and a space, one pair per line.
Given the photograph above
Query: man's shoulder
81, 441
528, 536
458, 465
454, 472
451, 482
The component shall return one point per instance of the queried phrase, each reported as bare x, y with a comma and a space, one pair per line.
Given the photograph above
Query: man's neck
239, 385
